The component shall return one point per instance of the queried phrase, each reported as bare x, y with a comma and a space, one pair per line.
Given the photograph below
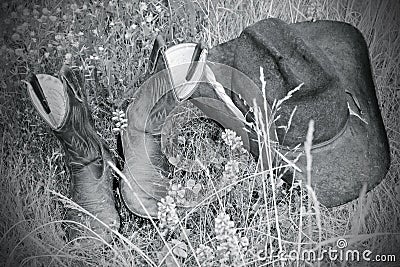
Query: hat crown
289, 60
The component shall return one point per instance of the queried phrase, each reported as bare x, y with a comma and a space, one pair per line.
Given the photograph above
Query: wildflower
233, 141
149, 18
53, 18
68, 58
303, 210
46, 55
75, 44
22, 28
158, 8
244, 242
58, 37
26, 12
128, 35
205, 255
224, 227
167, 214
74, 7
45, 11
133, 27
229, 247
19, 52
35, 13
142, 6
15, 37
32, 33
101, 48
3, 49
70, 36
231, 168
84, 7
120, 121
230, 173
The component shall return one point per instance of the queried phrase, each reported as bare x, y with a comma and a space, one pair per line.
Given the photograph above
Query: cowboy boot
61, 103
176, 71
181, 74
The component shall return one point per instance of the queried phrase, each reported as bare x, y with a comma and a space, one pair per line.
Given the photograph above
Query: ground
245, 225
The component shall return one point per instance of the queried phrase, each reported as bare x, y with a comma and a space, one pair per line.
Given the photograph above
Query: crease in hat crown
289, 60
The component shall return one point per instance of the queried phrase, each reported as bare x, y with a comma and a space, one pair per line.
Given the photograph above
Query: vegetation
251, 215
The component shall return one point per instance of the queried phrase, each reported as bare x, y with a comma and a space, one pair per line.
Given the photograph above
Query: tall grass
249, 219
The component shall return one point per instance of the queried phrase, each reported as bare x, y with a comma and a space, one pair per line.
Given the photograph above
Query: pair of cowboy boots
61, 102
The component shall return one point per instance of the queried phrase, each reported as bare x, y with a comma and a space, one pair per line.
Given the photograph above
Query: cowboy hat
327, 63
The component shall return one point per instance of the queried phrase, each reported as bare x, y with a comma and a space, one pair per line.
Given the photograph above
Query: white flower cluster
120, 121
232, 140
230, 174
229, 244
205, 255
167, 214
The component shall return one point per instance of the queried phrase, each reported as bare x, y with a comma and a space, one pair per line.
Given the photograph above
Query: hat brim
359, 155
